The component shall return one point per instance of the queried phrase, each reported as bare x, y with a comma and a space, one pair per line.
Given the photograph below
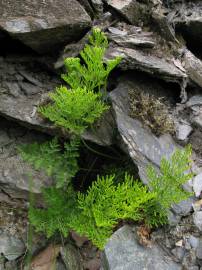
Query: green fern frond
48, 157
74, 109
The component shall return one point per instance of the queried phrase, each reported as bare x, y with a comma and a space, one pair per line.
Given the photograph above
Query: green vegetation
96, 213
47, 156
151, 111
80, 106
74, 109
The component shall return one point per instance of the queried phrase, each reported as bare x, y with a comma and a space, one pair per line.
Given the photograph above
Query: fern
48, 157
74, 109
60, 209
167, 184
94, 73
105, 204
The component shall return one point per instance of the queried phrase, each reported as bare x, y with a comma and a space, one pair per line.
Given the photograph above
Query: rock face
14, 173
123, 252
43, 25
142, 146
134, 59
24, 85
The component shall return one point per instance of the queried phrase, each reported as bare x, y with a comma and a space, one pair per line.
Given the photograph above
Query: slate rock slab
123, 252
25, 84
14, 172
137, 60
43, 25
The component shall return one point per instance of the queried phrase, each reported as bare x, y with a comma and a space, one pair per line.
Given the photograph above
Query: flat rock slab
138, 141
123, 252
24, 85
44, 25
134, 59
15, 174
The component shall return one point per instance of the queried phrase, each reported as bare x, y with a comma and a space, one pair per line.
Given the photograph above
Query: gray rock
199, 250
194, 100
133, 40
71, 257
184, 129
44, 25
178, 252
138, 141
193, 65
197, 217
14, 173
20, 97
129, 9
11, 247
97, 6
197, 184
184, 207
123, 252
194, 242
188, 20
138, 60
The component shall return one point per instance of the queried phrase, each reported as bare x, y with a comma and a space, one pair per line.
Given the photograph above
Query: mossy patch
151, 111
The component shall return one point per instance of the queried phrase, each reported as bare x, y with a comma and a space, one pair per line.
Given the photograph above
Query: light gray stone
142, 146
123, 252
14, 172
194, 241
197, 217
197, 184
199, 250
44, 25
11, 247
184, 129
193, 65
138, 60
184, 207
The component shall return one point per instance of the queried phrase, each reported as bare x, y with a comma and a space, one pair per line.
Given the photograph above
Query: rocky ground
160, 44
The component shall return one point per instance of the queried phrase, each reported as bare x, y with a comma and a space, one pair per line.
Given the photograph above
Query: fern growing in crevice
74, 109
79, 107
94, 72
48, 157
167, 184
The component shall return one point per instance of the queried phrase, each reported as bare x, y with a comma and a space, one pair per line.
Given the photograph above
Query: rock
131, 10
184, 129
133, 40
197, 217
14, 173
138, 60
184, 207
199, 250
197, 184
97, 6
123, 252
45, 25
10, 246
178, 252
24, 85
188, 20
194, 242
71, 257
138, 141
193, 66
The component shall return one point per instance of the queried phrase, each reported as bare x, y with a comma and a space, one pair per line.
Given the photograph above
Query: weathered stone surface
123, 252
71, 257
138, 141
197, 217
134, 40
188, 20
14, 173
129, 9
43, 25
184, 129
24, 85
10, 246
134, 59
197, 184
184, 207
193, 66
